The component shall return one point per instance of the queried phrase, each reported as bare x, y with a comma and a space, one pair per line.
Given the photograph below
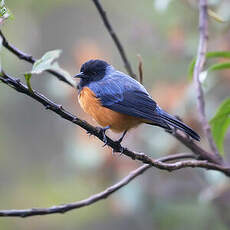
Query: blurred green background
45, 160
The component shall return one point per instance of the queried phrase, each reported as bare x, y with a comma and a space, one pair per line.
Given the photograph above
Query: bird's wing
125, 95
133, 103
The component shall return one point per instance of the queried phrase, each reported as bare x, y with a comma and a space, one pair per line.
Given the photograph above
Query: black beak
80, 75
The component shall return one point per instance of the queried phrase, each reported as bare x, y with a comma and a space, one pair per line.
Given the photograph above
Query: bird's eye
87, 72
90, 72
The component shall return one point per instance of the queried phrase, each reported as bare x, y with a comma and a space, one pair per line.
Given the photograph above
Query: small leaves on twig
28, 77
219, 66
4, 12
29, 58
47, 62
215, 16
210, 55
220, 123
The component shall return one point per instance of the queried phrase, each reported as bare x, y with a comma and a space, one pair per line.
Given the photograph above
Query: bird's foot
171, 131
90, 133
121, 151
122, 137
102, 132
118, 142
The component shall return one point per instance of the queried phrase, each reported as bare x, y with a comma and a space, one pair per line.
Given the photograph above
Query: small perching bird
118, 102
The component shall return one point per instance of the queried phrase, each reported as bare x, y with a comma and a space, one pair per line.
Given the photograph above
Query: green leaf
46, 62
215, 16
220, 123
191, 68
27, 77
209, 55
63, 72
4, 12
218, 54
219, 66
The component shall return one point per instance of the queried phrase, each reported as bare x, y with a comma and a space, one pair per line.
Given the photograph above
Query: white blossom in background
161, 5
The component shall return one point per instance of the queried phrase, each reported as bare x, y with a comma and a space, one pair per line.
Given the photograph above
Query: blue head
92, 70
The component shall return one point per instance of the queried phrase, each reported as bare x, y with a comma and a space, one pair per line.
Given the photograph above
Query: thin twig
195, 148
140, 68
58, 109
75, 205
92, 199
201, 52
177, 156
29, 58
114, 37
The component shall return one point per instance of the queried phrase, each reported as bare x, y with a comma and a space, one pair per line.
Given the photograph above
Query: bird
118, 102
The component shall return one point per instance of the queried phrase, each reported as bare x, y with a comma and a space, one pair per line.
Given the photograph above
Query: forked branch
201, 57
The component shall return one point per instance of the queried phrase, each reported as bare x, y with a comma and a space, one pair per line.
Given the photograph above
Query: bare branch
29, 58
67, 207
195, 148
58, 109
114, 37
92, 199
201, 53
177, 156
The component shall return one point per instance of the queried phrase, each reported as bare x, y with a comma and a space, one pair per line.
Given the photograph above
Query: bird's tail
172, 121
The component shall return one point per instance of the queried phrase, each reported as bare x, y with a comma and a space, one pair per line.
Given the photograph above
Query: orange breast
118, 122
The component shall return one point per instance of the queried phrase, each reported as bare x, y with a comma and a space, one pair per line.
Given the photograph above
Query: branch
92, 199
201, 53
181, 137
29, 58
195, 148
114, 37
58, 109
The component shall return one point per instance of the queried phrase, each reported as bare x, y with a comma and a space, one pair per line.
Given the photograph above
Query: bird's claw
90, 133
174, 130
121, 149
105, 141
171, 130
102, 131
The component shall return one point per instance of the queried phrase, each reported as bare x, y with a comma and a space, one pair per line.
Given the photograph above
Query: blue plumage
121, 93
